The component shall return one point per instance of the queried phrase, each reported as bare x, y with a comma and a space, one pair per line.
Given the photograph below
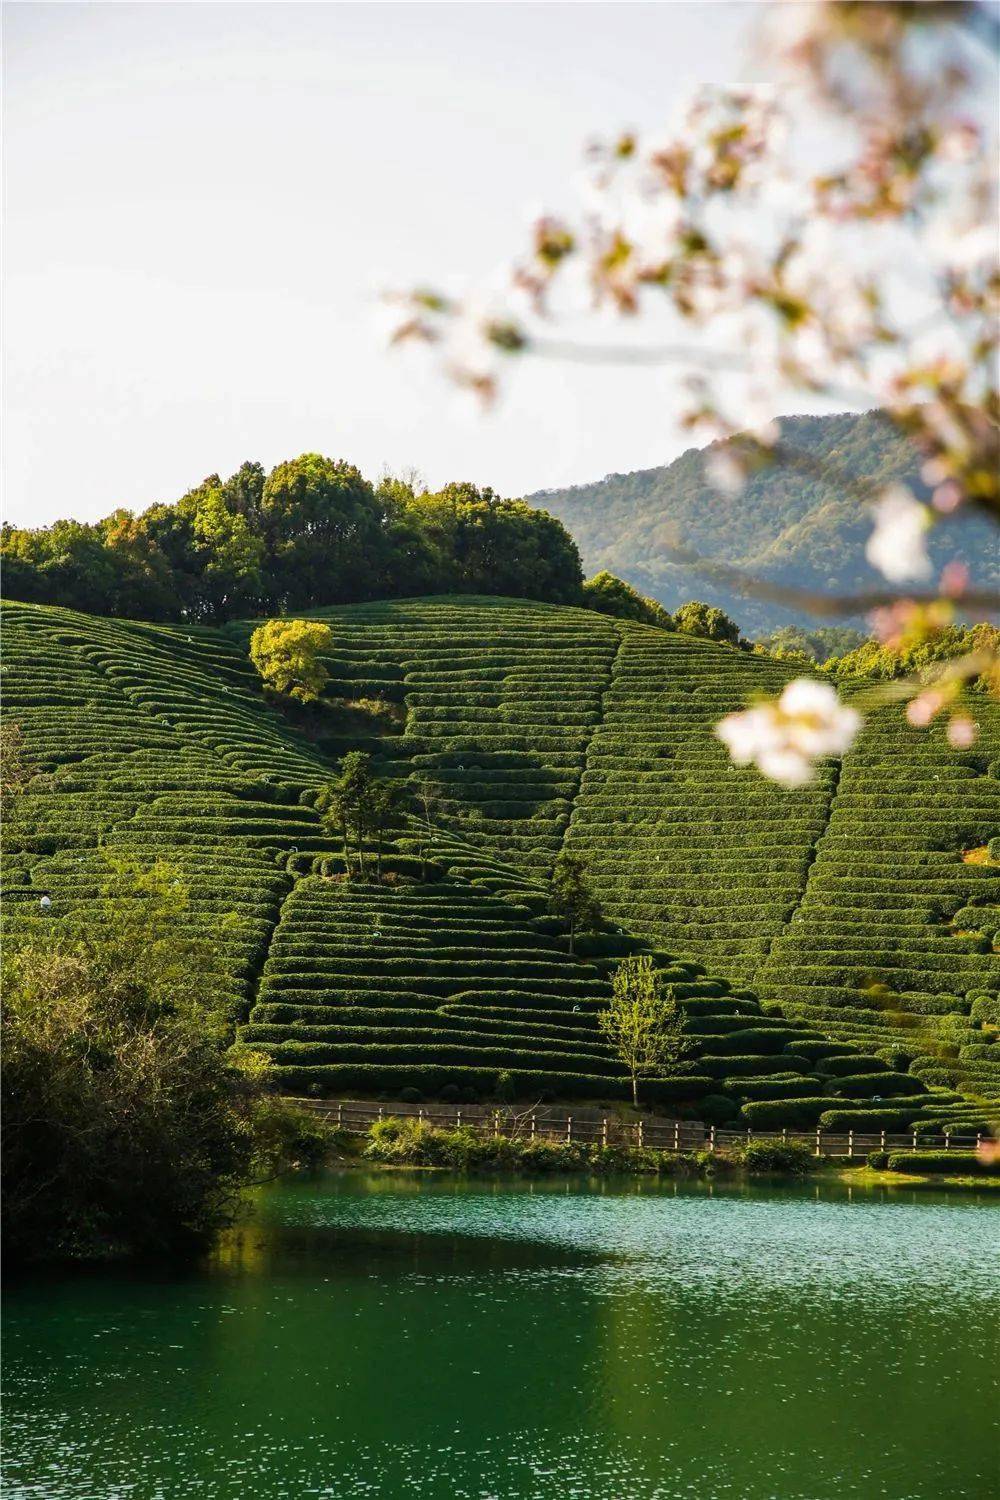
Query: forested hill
786, 524
313, 531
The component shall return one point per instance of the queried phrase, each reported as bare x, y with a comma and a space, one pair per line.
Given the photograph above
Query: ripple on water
384, 1337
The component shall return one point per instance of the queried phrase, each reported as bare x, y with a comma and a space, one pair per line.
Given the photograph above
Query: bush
505, 1085
986, 1010
764, 1155
718, 1109
128, 1130
878, 1160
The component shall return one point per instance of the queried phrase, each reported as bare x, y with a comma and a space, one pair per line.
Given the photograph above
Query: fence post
380, 1111
532, 1127
711, 1138
458, 1120
979, 1139
850, 1144
784, 1132
496, 1122
420, 1116
882, 1143
677, 1135
819, 1151
340, 1115
640, 1135
947, 1140
914, 1140
569, 1128
604, 1132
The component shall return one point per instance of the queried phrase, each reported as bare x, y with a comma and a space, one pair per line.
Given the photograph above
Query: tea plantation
833, 948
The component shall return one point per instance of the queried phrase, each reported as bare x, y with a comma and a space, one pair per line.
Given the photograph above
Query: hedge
932, 1163
769, 1114
431, 1079
840, 1121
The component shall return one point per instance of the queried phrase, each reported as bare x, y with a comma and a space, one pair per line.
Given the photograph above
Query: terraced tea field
833, 949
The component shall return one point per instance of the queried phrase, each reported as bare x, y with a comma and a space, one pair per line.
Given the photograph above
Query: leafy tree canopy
286, 653
873, 659
312, 532
802, 643
613, 596
707, 620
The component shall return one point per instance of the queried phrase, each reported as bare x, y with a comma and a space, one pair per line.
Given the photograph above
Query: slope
525, 725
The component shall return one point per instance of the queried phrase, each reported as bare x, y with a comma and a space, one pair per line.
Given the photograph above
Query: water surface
407, 1335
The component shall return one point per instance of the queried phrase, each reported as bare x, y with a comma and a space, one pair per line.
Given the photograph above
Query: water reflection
407, 1335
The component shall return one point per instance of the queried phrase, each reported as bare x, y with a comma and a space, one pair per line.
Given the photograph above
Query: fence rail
356, 1117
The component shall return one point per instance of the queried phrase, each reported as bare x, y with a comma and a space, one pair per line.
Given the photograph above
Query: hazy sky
201, 200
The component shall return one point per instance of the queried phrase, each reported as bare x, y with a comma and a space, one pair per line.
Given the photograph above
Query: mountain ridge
784, 526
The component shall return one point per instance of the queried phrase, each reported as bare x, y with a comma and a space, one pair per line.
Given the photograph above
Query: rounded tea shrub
717, 1109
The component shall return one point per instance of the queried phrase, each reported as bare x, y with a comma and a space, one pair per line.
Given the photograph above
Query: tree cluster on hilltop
312, 532
803, 526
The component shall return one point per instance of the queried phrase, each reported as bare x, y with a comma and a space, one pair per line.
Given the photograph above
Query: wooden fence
356, 1117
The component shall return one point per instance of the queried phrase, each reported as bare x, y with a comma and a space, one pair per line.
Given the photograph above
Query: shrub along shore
416, 1143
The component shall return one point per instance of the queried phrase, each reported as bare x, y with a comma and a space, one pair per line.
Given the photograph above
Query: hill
787, 524
831, 947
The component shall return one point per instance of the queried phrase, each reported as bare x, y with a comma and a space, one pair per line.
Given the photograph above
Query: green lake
416, 1335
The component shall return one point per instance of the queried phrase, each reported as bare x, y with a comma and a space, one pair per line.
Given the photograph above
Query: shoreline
826, 1169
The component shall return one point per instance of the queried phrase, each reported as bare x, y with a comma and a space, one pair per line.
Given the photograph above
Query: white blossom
898, 545
784, 739
725, 472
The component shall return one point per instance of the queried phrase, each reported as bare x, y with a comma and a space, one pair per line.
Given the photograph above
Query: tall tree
322, 527
572, 898
642, 1022
344, 807
384, 807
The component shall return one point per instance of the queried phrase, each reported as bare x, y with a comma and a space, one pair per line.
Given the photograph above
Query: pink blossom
962, 732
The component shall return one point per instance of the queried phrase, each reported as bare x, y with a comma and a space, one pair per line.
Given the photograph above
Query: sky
203, 200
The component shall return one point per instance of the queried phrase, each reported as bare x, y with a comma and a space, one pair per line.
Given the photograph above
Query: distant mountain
786, 525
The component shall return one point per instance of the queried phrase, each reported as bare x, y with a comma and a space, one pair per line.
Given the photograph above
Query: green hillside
792, 523
832, 949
